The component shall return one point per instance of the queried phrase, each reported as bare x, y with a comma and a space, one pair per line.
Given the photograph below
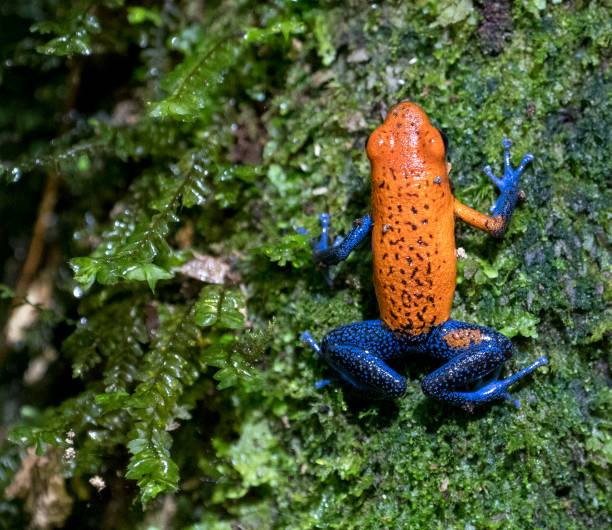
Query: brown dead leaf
358, 56
206, 269
40, 483
127, 112
25, 315
321, 77
354, 121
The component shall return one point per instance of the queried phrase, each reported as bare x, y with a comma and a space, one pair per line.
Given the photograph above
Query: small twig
45, 212
49, 199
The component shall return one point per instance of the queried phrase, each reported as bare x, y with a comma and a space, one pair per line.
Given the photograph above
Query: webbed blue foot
323, 382
322, 244
508, 185
318, 246
498, 389
307, 338
324, 255
511, 176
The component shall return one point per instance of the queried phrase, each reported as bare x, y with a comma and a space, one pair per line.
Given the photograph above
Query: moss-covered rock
251, 119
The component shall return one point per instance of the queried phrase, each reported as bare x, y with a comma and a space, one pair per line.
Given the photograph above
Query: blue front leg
508, 185
324, 255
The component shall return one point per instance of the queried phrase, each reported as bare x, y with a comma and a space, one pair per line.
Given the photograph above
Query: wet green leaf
139, 15
219, 307
216, 132
523, 324
452, 11
149, 273
325, 49
294, 249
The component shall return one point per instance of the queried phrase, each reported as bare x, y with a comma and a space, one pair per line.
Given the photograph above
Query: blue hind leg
472, 352
358, 353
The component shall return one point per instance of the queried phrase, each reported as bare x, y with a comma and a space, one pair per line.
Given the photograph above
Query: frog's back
413, 240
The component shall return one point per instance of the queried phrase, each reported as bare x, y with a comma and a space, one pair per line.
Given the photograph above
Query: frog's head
406, 132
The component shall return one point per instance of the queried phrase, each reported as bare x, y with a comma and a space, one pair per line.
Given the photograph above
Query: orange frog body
413, 245
413, 238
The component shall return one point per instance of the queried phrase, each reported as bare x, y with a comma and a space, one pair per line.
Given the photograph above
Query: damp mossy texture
179, 146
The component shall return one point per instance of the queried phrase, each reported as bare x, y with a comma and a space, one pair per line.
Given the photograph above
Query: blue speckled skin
359, 352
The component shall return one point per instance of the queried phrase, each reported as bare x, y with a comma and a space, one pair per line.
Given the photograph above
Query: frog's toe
512, 175
307, 338
302, 231
322, 244
489, 173
514, 401
526, 159
499, 389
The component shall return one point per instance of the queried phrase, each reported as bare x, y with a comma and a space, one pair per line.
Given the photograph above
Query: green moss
254, 121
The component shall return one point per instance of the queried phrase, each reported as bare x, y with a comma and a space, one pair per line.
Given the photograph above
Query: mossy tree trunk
162, 352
